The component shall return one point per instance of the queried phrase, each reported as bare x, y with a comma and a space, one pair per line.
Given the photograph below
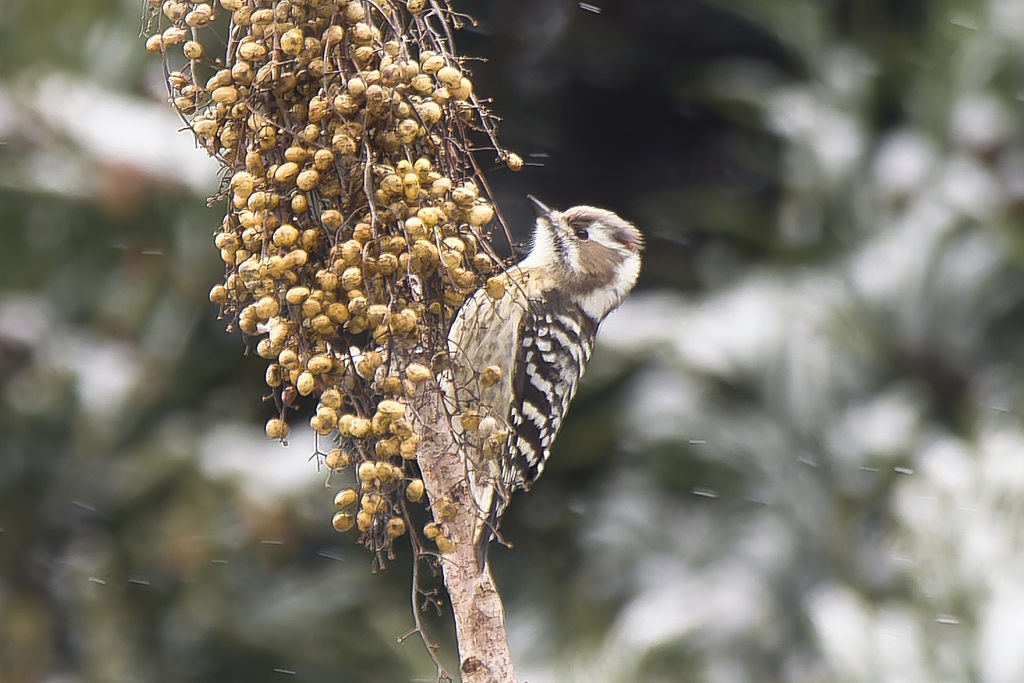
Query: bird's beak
539, 206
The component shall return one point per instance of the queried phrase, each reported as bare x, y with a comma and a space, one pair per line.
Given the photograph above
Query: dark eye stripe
579, 226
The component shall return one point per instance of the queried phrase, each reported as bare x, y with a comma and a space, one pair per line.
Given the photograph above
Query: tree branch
479, 615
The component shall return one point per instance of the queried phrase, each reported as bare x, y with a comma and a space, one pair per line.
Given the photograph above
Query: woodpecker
519, 347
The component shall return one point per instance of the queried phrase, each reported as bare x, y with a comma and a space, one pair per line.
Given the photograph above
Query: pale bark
479, 615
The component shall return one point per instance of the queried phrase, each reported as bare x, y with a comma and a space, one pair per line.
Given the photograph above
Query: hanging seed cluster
355, 226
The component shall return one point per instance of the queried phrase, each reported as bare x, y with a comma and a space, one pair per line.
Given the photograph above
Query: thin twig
418, 555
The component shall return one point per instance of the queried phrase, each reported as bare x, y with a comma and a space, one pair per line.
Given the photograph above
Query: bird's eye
581, 233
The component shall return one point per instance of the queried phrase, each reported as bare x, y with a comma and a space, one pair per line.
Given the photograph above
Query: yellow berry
418, 373
407, 449
337, 459
310, 308
322, 325
219, 295
469, 420
307, 180
343, 144
483, 263
288, 359
479, 214
174, 36
395, 527
285, 236
402, 428
359, 427
360, 33
391, 410
495, 287
422, 84
296, 295
295, 258
305, 383
275, 375
440, 187
342, 521
192, 50
414, 490
200, 16
432, 64
286, 173
241, 73
367, 366
461, 90
331, 398
252, 51
291, 42
323, 421
277, 428
319, 365
448, 75
337, 313
490, 376
465, 195
445, 510
364, 520
351, 279
227, 94
346, 497
266, 308
323, 159
367, 472
386, 471
155, 45
265, 349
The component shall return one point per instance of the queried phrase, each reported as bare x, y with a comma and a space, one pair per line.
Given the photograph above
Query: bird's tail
491, 501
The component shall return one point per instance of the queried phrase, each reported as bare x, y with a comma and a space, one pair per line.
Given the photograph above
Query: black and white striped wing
552, 352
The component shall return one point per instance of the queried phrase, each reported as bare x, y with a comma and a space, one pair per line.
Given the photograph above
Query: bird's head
592, 254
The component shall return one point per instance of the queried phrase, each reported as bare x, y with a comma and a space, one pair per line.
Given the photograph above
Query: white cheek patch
601, 301
571, 254
597, 304
627, 276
